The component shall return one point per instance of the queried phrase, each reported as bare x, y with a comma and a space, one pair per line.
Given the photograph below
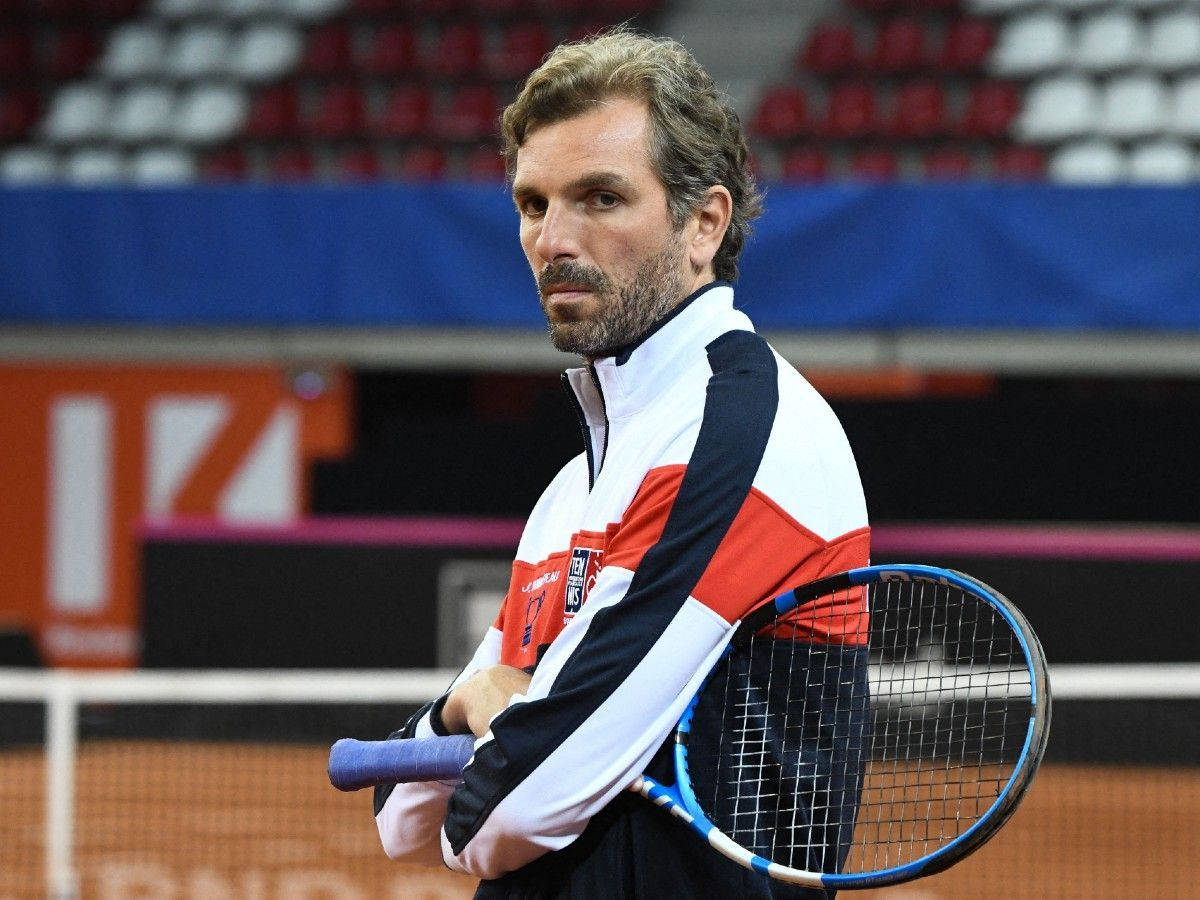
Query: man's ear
710, 221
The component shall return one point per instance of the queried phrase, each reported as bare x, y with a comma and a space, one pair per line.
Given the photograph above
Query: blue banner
893, 256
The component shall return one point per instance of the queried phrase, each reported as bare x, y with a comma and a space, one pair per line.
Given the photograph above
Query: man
714, 477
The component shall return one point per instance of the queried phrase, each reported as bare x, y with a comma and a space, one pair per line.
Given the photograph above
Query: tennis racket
865, 729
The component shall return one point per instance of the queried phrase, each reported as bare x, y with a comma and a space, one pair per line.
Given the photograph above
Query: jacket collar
630, 379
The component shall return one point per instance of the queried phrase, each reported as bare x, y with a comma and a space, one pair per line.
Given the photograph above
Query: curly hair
696, 137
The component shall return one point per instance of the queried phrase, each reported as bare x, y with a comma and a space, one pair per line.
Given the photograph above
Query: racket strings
863, 755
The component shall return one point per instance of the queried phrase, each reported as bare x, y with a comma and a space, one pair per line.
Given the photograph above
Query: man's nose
558, 236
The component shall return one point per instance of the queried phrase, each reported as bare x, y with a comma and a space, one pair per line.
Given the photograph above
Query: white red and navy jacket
714, 477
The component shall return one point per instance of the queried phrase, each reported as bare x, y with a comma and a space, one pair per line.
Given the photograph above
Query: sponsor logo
581, 575
544, 579
532, 607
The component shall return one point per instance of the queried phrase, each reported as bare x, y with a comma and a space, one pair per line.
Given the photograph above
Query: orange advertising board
90, 451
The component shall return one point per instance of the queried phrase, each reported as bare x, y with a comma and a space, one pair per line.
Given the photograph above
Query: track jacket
714, 477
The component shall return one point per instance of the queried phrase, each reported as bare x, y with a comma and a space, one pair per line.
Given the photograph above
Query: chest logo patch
581, 575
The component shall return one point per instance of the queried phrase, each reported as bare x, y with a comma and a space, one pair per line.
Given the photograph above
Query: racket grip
358, 764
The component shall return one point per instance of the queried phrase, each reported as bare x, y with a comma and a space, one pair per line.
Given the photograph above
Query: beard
627, 310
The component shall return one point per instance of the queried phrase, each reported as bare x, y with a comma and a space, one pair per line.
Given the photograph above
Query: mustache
573, 273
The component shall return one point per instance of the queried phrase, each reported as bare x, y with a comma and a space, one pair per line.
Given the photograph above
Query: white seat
1133, 106
185, 9
1147, 5
247, 9
78, 112
1185, 109
1078, 6
1000, 7
197, 51
134, 50
162, 165
1032, 43
28, 165
1162, 162
209, 113
265, 52
310, 10
93, 166
1174, 40
1058, 108
1109, 41
142, 113
1087, 162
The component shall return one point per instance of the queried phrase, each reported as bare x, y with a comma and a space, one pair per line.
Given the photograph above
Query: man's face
596, 229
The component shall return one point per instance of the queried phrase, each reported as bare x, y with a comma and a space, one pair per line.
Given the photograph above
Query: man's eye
605, 200
533, 206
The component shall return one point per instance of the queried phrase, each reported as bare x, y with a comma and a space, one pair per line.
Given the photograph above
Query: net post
62, 737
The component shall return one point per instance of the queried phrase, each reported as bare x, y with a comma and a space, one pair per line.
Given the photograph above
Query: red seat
17, 58
393, 51
362, 164
19, 113
876, 7
424, 164
830, 50
112, 9
329, 51
226, 165
851, 111
991, 107
948, 164
371, 8
782, 113
521, 50
293, 165
966, 45
500, 9
804, 164
457, 52
1019, 163
274, 113
470, 114
920, 111
484, 164
407, 113
875, 163
70, 53
340, 112
899, 47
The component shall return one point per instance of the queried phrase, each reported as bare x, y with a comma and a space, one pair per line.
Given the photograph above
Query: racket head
922, 722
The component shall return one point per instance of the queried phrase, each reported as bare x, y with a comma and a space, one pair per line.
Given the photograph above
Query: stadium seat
1079, 6
1162, 162
362, 164
484, 164
1109, 41
469, 114
340, 112
900, 47
135, 50
329, 51
227, 165
1149, 6
161, 165
1058, 108
182, 10
874, 164
310, 10
93, 166
78, 112
28, 165
392, 51
197, 51
209, 114
19, 113
1173, 41
1184, 121
1000, 8
522, 47
275, 113
292, 165
264, 52
142, 112
111, 10
1032, 43
1019, 163
990, 109
457, 52
782, 113
804, 164
1133, 106
830, 49
406, 114
947, 164
70, 53
17, 57
966, 45
920, 111
424, 164
850, 111
1087, 162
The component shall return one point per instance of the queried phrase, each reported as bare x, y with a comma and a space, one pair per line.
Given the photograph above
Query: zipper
593, 472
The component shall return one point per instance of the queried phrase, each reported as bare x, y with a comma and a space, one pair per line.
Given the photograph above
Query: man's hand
471, 706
